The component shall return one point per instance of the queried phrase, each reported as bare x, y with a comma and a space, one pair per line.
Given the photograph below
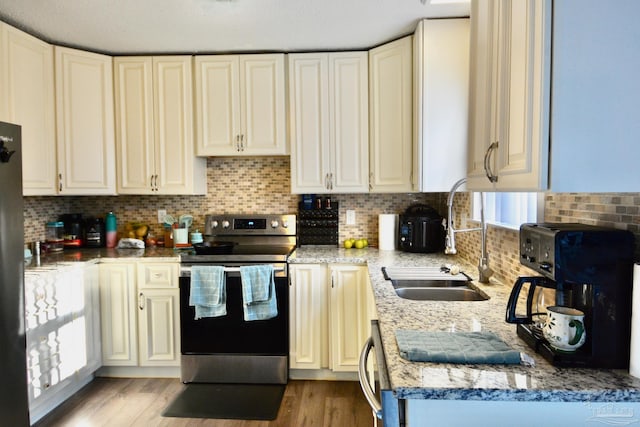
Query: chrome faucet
484, 272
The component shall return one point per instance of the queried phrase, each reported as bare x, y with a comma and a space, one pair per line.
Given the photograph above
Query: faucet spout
450, 239
484, 271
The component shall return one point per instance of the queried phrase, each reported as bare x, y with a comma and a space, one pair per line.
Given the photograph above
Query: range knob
214, 224
285, 224
225, 224
274, 224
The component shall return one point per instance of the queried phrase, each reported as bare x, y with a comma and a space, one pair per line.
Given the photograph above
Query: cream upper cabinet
240, 105
328, 98
580, 137
441, 91
27, 87
391, 116
85, 126
154, 127
509, 95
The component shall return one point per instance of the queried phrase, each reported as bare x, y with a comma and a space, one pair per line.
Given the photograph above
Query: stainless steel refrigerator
14, 401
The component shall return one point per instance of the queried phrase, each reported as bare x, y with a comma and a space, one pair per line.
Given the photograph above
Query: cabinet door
134, 124
391, 116
177, 169
308, 316
92, 316
118, 314
309, 112
348, 124
350, 315
482, 108
217, 91
509, 96
26, 82
262, 95
85, 124
159, 327
522, 124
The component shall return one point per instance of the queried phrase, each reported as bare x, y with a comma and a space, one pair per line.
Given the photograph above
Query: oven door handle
367, 389
185, 271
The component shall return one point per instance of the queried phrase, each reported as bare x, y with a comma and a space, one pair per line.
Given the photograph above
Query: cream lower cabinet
308, 301
391, 117
154, 127
240, 105
26, 82
328, 100
158, 314
331, 307
118, 314
140, 314
62, 318
84, 122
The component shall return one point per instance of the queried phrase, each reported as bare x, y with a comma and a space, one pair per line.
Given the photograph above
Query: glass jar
54, 236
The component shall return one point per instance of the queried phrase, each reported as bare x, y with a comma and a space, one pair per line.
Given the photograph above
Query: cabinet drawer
159, 275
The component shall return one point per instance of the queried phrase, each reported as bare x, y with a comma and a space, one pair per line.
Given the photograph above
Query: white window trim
531, 208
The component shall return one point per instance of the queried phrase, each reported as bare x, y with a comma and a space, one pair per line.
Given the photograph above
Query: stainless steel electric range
228, 349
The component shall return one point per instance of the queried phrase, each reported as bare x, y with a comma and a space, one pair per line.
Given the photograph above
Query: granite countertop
86, 255
416, 380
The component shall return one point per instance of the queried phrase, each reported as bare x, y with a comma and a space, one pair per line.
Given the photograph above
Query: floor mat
227, 401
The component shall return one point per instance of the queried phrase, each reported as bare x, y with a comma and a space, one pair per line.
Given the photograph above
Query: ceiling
210, 26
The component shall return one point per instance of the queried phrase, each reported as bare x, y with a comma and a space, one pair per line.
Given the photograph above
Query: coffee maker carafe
583, 267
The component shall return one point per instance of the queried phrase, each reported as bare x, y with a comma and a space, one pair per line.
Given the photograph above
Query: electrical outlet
351, 217
161, 214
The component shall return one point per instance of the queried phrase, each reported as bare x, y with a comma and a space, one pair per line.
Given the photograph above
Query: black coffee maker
584, 267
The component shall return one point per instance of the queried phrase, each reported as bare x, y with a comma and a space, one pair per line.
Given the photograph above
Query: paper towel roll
387, 231
634, 359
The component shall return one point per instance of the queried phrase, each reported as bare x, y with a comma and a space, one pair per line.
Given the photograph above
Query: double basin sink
432, 284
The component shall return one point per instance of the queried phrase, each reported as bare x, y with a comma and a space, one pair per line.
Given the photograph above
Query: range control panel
280, 225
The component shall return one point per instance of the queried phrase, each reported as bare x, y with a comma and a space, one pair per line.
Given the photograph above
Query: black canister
94, 233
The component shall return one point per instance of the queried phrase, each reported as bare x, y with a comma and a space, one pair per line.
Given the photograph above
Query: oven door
230, 349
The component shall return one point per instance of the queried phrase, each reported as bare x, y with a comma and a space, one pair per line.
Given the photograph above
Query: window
509, 210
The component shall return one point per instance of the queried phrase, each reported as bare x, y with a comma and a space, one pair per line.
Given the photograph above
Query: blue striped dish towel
258, 292
455, 347
208, 292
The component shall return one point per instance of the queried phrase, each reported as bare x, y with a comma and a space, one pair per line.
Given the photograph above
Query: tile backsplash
235, 185
262, 185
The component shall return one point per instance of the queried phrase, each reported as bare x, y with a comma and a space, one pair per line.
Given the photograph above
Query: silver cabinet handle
326, 181
141, 301
487, 162
368, 391
242, 142
59, 182
238, 142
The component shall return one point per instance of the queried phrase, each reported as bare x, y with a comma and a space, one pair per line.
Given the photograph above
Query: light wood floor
116, 402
